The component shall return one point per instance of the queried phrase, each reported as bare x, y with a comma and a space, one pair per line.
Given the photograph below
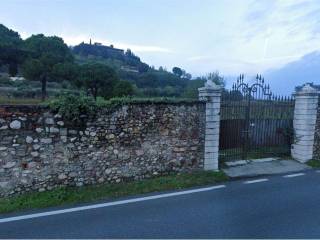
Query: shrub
123, 89
73, 107
24, 91
4, 81
114, 102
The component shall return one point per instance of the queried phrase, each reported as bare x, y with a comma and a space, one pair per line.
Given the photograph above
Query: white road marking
293, 175
256, 181
102, 205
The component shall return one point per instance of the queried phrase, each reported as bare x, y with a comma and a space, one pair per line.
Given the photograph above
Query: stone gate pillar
211, 93
304, 122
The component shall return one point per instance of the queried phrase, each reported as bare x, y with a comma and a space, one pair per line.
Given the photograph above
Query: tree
11, 49
187, 76
13, 68
162, 69
98, 78
65, 71
122, 89
191, 91
8, 37
169, 91
142, 67
177, 71
45, 54
129, 53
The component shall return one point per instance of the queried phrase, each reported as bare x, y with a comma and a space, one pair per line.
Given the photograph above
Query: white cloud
231, 36
143, 48
199, 58
258, 35
275, 32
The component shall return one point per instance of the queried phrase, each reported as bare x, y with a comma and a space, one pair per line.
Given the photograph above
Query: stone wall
40, 151
316, 149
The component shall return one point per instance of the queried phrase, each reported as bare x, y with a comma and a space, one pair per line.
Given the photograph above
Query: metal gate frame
257, 92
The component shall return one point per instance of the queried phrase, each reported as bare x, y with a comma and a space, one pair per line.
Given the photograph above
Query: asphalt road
271, 207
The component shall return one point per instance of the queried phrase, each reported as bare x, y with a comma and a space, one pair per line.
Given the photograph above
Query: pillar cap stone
210, 89
307, 90
210, 84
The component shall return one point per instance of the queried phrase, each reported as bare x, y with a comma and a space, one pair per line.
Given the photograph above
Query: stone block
15, 124
49, 121
299, 111
53, 130
46, 140
36, 147
212, 165
29, 139
211, 149
35, 154
3, 127
213, 143
39, 130
311, 117
9, 165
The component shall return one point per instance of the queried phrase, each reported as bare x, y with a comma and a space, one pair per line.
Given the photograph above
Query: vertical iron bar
247, 125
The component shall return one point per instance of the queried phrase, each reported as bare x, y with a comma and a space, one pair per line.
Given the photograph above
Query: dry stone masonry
316, 149
40, 151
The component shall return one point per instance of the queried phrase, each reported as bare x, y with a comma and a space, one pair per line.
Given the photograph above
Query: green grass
72, 195
5, 100
314, 163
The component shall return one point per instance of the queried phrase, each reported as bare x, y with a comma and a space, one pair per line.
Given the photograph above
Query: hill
148, 82
25, 58
285, 79
97, 51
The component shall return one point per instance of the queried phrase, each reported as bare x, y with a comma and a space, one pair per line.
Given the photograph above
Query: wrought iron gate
254, 122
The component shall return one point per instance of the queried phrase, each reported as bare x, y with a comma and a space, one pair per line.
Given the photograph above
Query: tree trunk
95, 94
13, 69
43, 88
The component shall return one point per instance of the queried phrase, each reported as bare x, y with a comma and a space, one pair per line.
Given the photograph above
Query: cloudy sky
231, 36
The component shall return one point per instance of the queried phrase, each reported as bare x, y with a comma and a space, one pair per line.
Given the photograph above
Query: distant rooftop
100, 44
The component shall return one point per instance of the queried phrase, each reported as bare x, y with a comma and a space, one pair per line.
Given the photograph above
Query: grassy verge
5, 100
314, 163
71, 195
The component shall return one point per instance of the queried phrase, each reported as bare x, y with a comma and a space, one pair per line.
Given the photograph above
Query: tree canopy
9, 38
44, 54
123, 89
98, 79
11, 49
177, 71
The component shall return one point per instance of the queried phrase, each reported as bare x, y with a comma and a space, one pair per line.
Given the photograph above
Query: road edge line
108, 204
